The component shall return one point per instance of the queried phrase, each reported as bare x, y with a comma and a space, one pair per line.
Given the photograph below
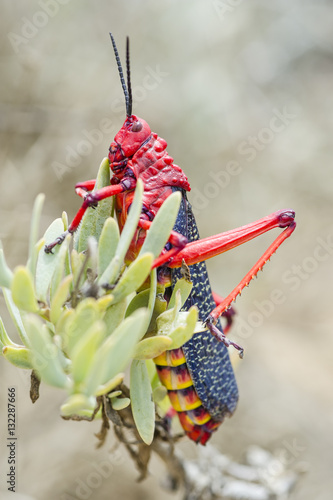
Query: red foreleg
81, 188
91, 200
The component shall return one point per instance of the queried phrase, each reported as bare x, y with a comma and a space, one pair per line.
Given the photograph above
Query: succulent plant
84, 317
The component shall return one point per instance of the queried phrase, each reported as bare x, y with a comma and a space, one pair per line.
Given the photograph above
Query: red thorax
137, 152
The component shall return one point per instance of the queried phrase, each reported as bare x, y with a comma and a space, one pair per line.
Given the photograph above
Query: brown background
225, 68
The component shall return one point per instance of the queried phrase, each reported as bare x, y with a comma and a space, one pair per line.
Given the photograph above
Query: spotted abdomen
198, 376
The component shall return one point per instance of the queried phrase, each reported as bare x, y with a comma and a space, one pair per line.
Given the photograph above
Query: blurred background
242, 92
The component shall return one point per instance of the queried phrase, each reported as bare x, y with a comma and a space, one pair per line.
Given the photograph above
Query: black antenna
129, 87
128, 101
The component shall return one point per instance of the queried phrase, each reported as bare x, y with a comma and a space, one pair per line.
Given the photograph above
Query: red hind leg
228, 314
200, 250
177, 240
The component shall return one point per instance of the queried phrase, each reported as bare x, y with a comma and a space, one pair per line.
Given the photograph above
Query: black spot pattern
207, 359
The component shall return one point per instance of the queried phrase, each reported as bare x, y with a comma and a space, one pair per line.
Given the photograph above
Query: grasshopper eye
136, 127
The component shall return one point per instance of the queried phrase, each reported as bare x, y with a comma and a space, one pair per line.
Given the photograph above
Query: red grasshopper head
128, 140
134, 131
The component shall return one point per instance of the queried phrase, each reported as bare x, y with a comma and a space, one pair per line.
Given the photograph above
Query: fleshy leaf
107, 246
18, 356
165, 321
85, 315
34, 229
111, 384
133, 277
139, 300
93, 219
46, 263
59, 271
152, 347
162, 225
23, 291
4, 337
186, 326
78, 404
120, 403
16, 316
84, 351
59, 298
127, 234
115, 353
114, 316
142, 404
159, 393
6, 275
185, 287
78, 261
45, 356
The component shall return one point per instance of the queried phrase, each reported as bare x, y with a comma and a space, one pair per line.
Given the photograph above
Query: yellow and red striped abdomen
174, 375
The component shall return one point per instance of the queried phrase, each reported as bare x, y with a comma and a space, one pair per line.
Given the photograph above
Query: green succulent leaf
78, 261
84, 351
142, 403
110, 384
108, 242
93, 219
152, 347
187, 323
120, 403
78, 404
184, 286
18, 356
83, 317
159, 393
162, 225
23, 291
139, 300
114, 315
166, 321
4, 337
133, 277
46, 263
59, 271
115, 353
126, 237
45, 355
6, 275
16, 316
59, 298
180, 326
34, 228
